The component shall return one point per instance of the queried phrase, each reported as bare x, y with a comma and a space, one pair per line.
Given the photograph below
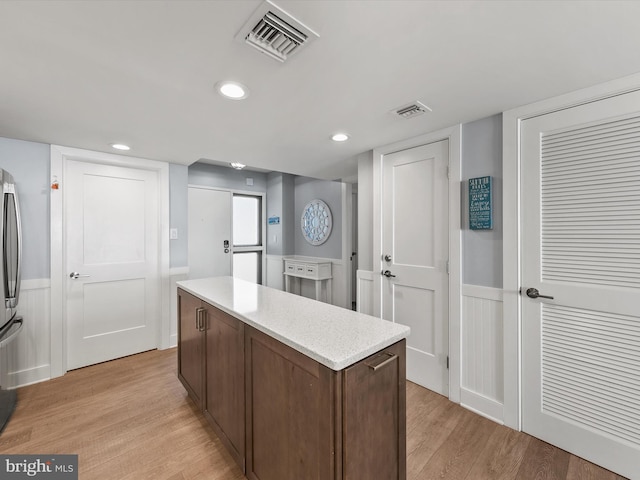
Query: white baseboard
482, 405
28, 376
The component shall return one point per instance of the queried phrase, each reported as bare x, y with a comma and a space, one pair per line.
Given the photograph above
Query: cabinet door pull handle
199, 312
392, 357
203, 320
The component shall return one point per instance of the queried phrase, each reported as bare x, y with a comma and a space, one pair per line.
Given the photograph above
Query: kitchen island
294, 388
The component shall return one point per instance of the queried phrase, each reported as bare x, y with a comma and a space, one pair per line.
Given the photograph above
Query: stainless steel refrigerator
11, 264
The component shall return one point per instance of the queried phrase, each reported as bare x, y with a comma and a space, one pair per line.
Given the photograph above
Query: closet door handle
534, 293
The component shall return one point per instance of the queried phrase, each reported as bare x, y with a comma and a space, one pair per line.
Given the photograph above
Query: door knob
534, 293
387, 258
76, 275
387, 273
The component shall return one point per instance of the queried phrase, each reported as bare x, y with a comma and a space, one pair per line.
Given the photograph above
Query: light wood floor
130, 419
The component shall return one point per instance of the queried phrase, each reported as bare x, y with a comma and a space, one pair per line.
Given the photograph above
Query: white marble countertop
334, 336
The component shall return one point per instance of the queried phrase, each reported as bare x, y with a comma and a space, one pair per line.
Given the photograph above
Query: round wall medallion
316, 222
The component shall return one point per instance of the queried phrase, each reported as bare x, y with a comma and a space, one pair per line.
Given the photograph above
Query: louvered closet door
580, 216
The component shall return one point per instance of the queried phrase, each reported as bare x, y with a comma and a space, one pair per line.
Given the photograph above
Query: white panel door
416, 244
580, 216
209, 229
112, 236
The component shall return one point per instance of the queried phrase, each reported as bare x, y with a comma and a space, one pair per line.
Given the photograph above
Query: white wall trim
347, 241
454, 136
173, 271
274, 275
364, 291
478, 291
28, 376
59, 155
35, 284
482, 405
512, 120
455, 263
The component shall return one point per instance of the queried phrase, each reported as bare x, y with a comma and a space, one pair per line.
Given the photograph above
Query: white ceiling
91, 73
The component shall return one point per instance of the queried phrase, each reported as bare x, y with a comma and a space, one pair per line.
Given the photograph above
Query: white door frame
454, 136
511, 159
347, 242
263, 227
59, 155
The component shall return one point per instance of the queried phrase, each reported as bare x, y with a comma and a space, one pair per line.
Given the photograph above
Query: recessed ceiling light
120, 146
340, 137
232, 90
238, 165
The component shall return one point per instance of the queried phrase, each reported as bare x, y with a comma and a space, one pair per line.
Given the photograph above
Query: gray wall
29, 164
226, 177
274, 209
178, 213
289, 212
481, 156
365, 211
307, 189
280, 203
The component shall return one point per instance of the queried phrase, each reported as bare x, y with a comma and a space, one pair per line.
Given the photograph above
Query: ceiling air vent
274, 32
412, 110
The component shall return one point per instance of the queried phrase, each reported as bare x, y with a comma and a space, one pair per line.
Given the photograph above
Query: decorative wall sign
315, 222
480, 208
274, 220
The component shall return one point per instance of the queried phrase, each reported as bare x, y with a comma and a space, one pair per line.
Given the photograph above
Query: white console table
311, 268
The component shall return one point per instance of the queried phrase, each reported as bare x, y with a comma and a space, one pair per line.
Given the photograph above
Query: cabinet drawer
290, 267
300, 269
311, 270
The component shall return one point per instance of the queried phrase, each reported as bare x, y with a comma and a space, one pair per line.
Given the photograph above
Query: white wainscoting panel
175, 274
482, 366
364, 291
274, 276
27, 359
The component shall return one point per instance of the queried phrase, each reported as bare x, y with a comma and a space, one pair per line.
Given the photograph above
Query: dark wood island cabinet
281, 413
216, 383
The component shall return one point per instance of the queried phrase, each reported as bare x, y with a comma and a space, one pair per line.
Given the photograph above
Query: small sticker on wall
274, 220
